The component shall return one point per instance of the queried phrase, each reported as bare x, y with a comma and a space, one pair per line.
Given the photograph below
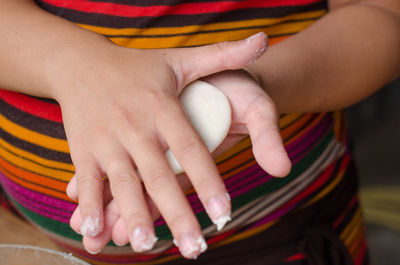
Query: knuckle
221, 51
87, 178
263, 107
154, 96
88, 208
156, 179
178, 221
222, 46
205, 183
168, 110
122, 180
135, 219
187, 147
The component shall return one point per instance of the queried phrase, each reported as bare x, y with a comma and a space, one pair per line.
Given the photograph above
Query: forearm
339, 60
31, 40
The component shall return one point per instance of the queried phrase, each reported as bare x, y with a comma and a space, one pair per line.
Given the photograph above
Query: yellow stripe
245, 143
337, 117
348, 232
263, 22
289, 118
33, 137
352, 237
246, 234
207, 38
35, 158
35, 168
327, 189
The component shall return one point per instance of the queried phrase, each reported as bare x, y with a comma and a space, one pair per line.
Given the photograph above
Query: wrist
66, 64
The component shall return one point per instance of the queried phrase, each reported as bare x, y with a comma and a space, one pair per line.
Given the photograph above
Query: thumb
268, 147
190, 64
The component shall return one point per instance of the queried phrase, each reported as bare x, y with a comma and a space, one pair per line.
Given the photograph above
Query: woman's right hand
253, 113
120, 112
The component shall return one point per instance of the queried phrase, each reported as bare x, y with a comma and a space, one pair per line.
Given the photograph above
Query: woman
274, 221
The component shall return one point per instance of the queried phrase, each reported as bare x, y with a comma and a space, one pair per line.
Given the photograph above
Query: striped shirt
35, 165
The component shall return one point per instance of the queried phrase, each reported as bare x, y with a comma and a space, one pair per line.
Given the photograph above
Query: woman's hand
120, 112
253, 112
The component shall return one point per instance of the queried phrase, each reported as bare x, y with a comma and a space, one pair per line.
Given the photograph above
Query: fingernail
219, 210
68, 191
93, 252
142, 239
255, 36
190, 246
260, 51
119, 245
91, 226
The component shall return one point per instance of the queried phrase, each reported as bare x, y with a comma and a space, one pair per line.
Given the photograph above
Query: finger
198, 164
185, 184
161, 184
72, 189
96, 244
90, 193
193, 63
268, 148
119, 233
127, 190
75, 221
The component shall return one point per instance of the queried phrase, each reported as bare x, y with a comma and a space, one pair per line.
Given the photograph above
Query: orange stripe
305, 129
34, 178
288, 119
235, 161
293, 128
36, 188
357, 244
275, 40
31, 166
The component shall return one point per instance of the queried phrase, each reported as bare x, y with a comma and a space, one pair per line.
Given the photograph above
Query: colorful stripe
35, 165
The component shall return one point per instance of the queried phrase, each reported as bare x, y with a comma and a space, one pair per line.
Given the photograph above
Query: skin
323, 64
314, 65
252, 112
140, 121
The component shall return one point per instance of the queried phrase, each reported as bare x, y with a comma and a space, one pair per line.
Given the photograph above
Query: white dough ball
209, 112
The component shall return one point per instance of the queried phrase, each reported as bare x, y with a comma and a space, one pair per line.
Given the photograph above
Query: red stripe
161, 10
344, 213
320, 180
362, 254
45, 110
296, 257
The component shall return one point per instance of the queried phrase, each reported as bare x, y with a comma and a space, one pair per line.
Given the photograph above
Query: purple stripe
272, 216
296, 151
246, 178
48, 212
37, 202
257, 180
34, 206
255, 176
309, 137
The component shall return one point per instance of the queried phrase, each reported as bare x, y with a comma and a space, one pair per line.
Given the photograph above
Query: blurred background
374, 127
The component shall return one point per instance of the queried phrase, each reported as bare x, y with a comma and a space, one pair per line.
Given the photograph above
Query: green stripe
163, 233
48, 224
